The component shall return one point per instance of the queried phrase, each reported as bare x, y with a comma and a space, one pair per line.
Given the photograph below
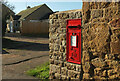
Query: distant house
36, 13
31, 16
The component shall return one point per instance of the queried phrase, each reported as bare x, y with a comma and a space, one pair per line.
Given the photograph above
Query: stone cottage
100, 42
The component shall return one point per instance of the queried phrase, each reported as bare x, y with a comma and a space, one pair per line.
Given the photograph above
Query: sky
55, 6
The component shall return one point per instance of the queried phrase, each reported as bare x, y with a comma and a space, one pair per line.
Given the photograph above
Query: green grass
41, 72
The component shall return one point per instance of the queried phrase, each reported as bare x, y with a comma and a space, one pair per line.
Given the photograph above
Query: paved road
22, 53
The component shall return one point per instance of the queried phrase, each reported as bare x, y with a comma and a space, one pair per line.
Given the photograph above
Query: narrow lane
22, 54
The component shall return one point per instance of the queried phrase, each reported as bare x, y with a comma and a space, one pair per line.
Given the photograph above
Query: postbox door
73, 34
74, 47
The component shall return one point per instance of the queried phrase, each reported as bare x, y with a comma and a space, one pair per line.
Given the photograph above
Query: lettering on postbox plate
73, 41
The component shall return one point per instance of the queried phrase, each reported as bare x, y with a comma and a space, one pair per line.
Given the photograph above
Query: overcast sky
55, 5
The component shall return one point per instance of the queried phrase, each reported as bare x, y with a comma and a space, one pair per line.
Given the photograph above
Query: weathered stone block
85, 12
116, 31
56, 62
53, 16
97, 62
111, 12
97, 37
110, 56
57, 76
60, 57
64, 71
63, 77
96, 20
100, 43
58, 69
63, 24
64, 30
62, 48
118, 56
57, 41
96, 54
64, 56
114, 38
52, 75
63, 43
112, 72
50, 54
86, 76
99, 77
56, 55
113, 64
85, 57
86, 67
71, 66
51, 61
63, 16
61, 63
115, 22
53, 68
73, 74
96, 13
72, 15
78, 68
65, 64
115, 76
115, 47
56, 47
100, 72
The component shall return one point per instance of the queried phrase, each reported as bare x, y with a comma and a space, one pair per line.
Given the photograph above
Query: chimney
28, 7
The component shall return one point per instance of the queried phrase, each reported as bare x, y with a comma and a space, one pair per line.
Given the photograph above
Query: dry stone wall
59, 68
101, 40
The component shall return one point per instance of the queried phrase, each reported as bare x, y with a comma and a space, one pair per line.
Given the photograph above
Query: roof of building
28, 11
8, 9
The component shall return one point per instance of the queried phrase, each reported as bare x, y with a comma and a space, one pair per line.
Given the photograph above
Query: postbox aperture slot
72, 26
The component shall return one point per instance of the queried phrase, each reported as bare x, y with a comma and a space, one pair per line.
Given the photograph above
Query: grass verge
41, 72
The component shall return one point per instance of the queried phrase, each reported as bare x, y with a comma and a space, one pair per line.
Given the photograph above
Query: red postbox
73, 39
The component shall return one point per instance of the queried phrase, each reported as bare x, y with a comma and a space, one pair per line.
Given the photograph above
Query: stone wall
101, 40
59, 68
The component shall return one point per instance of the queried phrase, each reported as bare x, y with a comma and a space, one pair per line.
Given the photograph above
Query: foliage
6, 3
41, 72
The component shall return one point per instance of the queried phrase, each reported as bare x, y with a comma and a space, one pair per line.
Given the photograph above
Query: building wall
16, 25
38, 14
101, 40
34, 27
100, 43
6, 12
59, 68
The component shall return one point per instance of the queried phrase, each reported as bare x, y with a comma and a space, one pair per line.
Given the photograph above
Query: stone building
100, 42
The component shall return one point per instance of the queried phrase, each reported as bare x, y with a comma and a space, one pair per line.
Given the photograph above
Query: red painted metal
73, 39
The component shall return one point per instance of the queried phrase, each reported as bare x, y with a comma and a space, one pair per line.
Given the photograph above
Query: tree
5, 2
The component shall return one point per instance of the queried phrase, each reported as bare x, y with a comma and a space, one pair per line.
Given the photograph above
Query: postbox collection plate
73, 39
